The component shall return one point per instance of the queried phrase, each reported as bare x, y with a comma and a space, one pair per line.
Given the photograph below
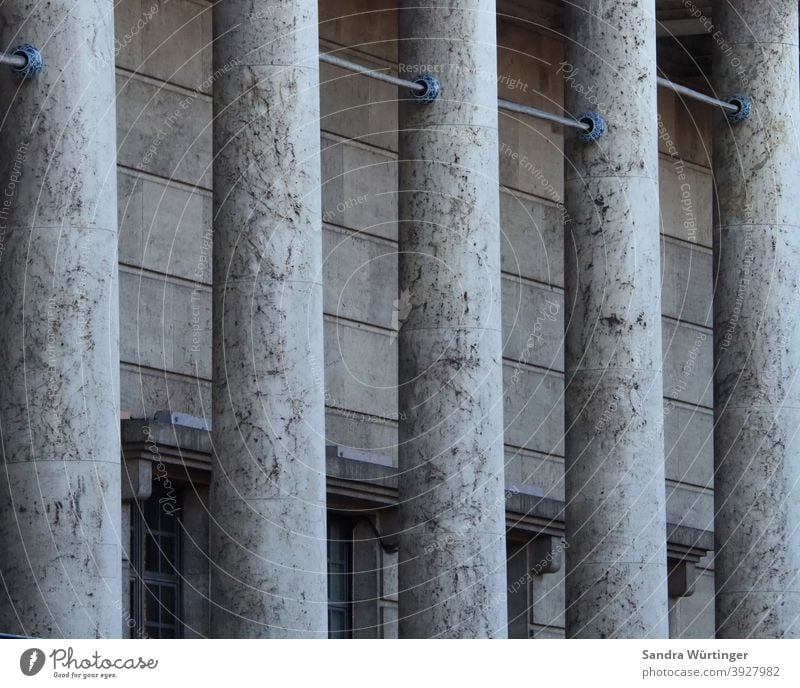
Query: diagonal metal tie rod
13, 60
420, 88
541, 114
25, 61
372, 73
696, 95
736, 107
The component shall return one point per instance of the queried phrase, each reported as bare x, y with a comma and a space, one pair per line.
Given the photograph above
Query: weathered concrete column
268, 538
757, 323
616, 559
452, 573
60, 555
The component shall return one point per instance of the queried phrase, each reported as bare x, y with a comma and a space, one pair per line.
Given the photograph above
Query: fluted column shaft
757, 323
268, 548
616, 578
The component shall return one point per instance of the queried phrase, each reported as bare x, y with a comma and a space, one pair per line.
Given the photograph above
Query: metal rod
541, 114
702, 97
501, 103
405, 83
372, 73
12, 60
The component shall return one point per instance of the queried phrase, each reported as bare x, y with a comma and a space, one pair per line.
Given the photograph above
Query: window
155, 590
340, 577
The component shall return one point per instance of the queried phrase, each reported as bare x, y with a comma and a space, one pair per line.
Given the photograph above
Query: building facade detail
377, 319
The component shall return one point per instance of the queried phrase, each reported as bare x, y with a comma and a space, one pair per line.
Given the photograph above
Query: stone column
757, 323
268, 537
60, 500
452, 573
616, 559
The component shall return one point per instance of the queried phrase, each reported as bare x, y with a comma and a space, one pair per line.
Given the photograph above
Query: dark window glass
340, 577
155, 565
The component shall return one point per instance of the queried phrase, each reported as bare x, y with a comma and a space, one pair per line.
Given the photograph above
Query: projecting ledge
367, 481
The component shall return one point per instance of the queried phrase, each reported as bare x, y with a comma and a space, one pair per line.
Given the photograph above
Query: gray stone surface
145, 391
693, 616
533, 409
356, 267
164, 227
165, 39
59, 401
543, 471
532, 238
547, 599
757, 325
533, 324
168, 325
452, 571
688, 444
360, 372
369, 24
685, 201
163, 130
355, 106
687, 123
688, 365
686, 283
531, 158
268, 540
689, 505
359, 187
367, 433
615, 502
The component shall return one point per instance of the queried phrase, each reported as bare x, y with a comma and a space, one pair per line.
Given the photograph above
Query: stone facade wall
165, 81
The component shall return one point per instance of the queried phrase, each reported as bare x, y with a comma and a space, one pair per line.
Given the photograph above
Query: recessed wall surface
165, 83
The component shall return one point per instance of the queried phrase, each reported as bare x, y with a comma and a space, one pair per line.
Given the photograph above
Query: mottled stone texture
757, 324
616, 573
268, 547
59, 363
452, 573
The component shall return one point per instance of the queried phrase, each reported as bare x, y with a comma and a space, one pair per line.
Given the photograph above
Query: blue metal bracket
597, 126
33, 61
745, 106
432, 88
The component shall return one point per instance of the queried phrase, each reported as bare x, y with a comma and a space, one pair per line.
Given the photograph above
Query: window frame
347, 605
142, 580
